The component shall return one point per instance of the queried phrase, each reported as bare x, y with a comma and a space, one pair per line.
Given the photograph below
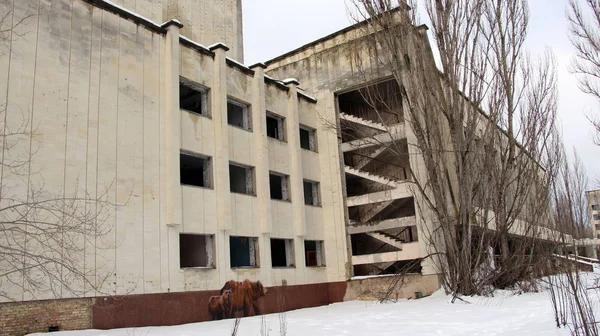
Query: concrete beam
383, 225
409, 251
401, 191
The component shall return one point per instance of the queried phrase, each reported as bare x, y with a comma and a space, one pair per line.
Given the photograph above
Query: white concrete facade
101, 89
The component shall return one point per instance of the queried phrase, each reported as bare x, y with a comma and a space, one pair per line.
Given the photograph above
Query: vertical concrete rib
296, 175
173, 124
221, 159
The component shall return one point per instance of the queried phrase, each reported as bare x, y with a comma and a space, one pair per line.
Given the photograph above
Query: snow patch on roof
108, 2
193, 42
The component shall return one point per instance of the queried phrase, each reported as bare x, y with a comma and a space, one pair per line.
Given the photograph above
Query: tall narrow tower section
204, 21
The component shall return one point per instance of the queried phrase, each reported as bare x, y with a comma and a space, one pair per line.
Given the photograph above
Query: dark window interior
308, 193
240, 252
273, 130
235, 115
193, 170
278, 257
305, 138
238, 179
192, 250
276, 185
190, 99
310, 248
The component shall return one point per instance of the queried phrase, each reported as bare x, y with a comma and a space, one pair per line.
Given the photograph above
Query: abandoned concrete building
217, 170
593, 200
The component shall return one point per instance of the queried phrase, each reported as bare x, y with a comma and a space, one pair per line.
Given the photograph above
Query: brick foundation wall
20, 318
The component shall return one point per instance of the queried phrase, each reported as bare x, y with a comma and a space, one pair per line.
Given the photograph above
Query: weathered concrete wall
399, 287
345, 61
101, 93
20, 318
204, 21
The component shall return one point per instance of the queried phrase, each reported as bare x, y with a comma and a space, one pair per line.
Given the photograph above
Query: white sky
273, 27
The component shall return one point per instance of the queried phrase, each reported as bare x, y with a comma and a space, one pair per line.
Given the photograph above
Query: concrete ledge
400, 286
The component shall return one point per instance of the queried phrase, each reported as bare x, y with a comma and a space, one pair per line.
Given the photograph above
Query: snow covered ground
504, 314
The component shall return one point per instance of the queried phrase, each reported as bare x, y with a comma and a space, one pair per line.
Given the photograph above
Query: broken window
282, 252
311, 193
278, 184
275, 127
194, 169
196, 250
243, 251
314, 253
192, 97
238, 115
307, 138
241, 179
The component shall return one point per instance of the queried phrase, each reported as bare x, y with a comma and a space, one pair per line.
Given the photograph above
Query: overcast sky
273, 27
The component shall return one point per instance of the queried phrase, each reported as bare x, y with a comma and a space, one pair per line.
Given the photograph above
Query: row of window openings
194, 99
195, 170
196, 250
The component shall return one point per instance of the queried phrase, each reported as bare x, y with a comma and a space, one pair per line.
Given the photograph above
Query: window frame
312, 138
250, 174
253, 246
280, 126
290, 253
246, 114
210, 247
207, 169
204, 96
285, 187
319, 253
316, 190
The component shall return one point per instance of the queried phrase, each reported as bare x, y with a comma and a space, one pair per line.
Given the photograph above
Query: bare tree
44, 233
482, 133
572, 304
585, 37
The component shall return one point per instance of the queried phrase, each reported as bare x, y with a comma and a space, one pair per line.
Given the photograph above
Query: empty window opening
238, 115
243, 251
282, 253
196, 250
307, 138
278, 184
597, 217
53, 328
194, 170
241, 179
192, 97
311, 193
595, 207
313, 250
275, 127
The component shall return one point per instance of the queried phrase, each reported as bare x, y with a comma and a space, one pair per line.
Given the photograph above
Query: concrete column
296, 175
172, 124
221, 158
261, 148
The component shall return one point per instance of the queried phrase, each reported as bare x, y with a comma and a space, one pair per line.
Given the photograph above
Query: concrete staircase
386, 238
363, 122
371, 177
